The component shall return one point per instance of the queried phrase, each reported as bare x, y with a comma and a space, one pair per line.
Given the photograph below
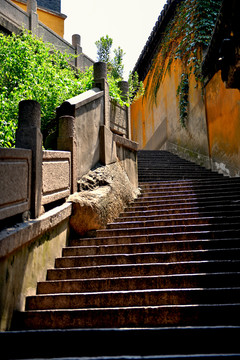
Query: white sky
128, 22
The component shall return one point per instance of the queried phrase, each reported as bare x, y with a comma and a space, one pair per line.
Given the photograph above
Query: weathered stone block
104, 193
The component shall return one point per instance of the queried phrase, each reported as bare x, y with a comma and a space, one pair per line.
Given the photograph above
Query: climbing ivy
186, 35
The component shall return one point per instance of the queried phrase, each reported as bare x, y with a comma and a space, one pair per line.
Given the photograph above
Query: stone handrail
15, 182
89, 128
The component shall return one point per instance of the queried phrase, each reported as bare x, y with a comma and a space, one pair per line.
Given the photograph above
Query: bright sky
128, 22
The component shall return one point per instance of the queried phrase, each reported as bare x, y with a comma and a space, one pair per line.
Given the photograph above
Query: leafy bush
31, 69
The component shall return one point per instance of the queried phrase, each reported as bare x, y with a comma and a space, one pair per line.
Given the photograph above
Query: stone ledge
70, 106
129, 144
13, 238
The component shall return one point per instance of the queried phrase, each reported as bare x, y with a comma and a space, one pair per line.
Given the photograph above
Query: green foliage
115, 68
185, 37
104, 46
31, 69
182, 93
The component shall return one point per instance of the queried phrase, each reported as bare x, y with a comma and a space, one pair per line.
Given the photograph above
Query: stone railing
94, 132
56, 176
14, 19
30, 177
15, 182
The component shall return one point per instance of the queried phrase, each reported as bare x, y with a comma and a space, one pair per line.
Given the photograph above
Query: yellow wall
212, 135
157, 125
223, 117
53, 21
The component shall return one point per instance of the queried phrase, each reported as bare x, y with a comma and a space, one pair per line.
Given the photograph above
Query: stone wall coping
85, 97
13, 238
53, 154
129, 144
70, 106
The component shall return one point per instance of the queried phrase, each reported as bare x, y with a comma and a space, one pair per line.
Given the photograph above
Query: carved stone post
100, 81
67, 141
33, 16
76, 42
29, 136
124, 87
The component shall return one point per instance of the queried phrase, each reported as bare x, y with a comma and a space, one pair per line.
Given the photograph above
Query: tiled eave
150, 49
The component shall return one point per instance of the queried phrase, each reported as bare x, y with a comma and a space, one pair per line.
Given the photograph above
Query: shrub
32, 69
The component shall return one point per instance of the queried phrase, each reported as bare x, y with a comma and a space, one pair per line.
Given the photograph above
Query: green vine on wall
186, 35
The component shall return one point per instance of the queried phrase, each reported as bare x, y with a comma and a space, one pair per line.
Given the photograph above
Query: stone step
189, 210
128, 298
153, 257
161, 177
214, 189
167, 230
175, 222
144, 238
197, 280
180, 206
137, 317
189, 183
157, 215
149, 342
164, 246
191, 199
152, 269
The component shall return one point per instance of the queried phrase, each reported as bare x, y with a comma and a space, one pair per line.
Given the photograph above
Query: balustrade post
124, 87
76, 43
29, 136
33, 16
67, 141
100, 81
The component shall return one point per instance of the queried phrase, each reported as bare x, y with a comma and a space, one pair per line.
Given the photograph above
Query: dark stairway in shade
167, 271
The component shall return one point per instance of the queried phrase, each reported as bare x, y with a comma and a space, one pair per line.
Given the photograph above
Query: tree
115, 68
104, 48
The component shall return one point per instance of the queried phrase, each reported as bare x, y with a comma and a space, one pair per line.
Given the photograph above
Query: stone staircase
162, 280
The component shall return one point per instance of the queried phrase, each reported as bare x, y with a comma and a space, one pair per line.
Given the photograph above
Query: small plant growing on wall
184, 39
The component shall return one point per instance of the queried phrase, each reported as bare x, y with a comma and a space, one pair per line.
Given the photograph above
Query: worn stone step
197, 280
214, 189
144, 238
186, 184
158, 215
127, 298
182, 206
153, 257
233, 197
159, 177
138, 317
126, 270
189, 210
176, 222
171, 229
67, 343
164, 246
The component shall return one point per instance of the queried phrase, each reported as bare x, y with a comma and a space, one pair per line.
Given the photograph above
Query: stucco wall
157, 125
223, 118
53, 21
